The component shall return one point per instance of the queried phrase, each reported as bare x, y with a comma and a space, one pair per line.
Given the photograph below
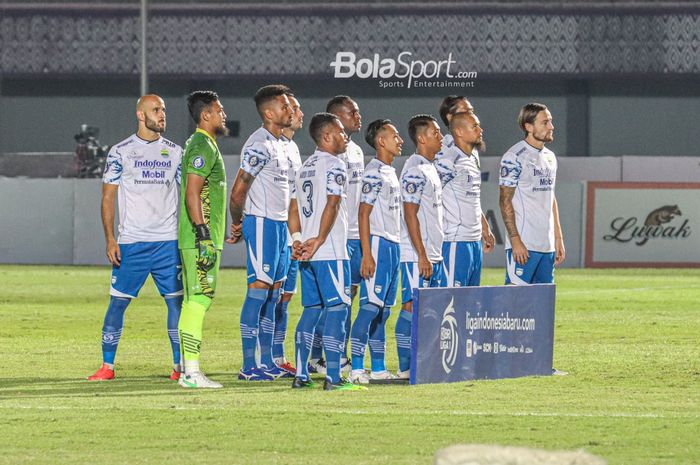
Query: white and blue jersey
532, 172
325, 279
460, 174
148, 176
321, 175
420, 184
266, 206
264, 157
292, 150
382, 190
355, 163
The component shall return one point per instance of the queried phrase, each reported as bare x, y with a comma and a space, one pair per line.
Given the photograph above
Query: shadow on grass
125, 386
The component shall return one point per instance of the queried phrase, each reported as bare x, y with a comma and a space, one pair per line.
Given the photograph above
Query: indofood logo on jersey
402, 71
153, 169
656, 226
449, 338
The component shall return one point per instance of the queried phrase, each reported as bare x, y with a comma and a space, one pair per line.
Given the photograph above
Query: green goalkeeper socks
190, 326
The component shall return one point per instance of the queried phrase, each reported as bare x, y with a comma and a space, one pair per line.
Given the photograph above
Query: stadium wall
64, 227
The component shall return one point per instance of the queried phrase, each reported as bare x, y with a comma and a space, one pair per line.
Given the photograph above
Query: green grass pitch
628, 338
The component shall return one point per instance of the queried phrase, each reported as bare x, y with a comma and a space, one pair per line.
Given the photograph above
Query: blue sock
174, 304
334, 339
377, 340
112, 327
348, 330
360, 333
303, 338
250, 316
317, 348
403, 339
281, 316
267, 328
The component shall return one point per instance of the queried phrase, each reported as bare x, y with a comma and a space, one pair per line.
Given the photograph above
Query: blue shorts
325, 283
355, 254
266, 241
381, 288
290, 284
461, 264
539, 268
410, 279
159, 259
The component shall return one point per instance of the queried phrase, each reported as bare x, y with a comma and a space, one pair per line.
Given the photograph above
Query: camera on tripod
90, 157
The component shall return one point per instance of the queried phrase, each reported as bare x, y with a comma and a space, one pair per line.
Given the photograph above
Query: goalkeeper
202, 225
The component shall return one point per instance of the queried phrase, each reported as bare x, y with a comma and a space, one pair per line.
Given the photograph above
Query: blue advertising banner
487, 332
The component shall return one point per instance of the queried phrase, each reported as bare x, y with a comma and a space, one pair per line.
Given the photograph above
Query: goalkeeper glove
207, 252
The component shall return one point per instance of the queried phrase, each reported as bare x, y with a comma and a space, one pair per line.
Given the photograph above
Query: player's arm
109, 192
489, 241
294, 226
520, 254
559, 250
193, 202
410, 215
330, 213
368, 265
239, 192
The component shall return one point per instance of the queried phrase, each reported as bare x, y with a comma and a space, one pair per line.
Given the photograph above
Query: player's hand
310, 247
296, 250
488, 240
236, 233
559, 252
114, 255
206, 258
367, 266
520, 254
207, 254
425, 268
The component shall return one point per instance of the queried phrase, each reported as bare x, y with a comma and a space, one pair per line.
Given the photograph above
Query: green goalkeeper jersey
202, 157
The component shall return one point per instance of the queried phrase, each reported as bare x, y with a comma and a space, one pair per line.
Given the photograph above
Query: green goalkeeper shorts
196, 280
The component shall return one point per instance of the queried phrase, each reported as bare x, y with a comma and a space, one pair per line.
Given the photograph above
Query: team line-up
342, 225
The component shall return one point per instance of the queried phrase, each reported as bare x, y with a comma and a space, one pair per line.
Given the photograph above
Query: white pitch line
456, 413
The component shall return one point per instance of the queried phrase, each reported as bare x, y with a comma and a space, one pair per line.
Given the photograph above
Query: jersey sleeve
202, 160
445, 166
336, 177
254, 158
113, 167
371, 186
510, 170
412, 185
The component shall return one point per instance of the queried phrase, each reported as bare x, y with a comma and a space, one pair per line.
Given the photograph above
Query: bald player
143, 173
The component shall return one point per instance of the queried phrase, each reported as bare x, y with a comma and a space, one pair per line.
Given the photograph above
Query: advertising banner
486, 332
642, 224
